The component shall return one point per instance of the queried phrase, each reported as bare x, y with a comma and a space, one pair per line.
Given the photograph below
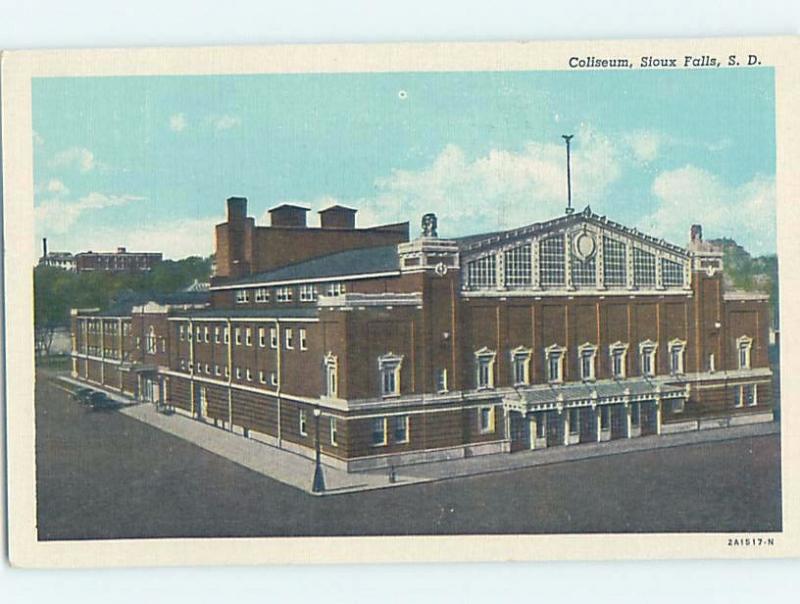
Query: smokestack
44, 247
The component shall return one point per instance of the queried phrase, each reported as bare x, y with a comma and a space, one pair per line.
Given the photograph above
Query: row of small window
110, 327
245, 336
517, 265
333, 427
308, 293
218, 371
587, 354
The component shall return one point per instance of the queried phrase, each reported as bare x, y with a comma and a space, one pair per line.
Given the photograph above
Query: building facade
120, 261
390, 351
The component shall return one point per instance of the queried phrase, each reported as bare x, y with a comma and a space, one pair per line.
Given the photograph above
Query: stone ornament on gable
429, 224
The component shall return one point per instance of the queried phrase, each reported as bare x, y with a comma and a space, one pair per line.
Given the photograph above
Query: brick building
394, 351
122, 260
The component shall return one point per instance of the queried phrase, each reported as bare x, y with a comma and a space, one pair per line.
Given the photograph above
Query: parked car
100, 401
81, 395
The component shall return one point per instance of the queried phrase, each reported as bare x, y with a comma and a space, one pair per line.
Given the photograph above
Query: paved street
105, 475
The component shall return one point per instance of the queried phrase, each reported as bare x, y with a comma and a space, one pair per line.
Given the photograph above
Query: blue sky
147, 162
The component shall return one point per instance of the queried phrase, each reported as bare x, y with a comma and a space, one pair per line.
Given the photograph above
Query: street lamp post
318, 486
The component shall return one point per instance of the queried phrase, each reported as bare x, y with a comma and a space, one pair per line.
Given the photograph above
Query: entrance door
588, 425
555, 429
619, 422
520, 432
649, 418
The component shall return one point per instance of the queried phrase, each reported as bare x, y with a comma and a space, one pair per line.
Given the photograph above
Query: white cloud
177, 122
645, 144
56, 187
79, 157
175, 239
225, 122
745, 212
58, 216
498, 190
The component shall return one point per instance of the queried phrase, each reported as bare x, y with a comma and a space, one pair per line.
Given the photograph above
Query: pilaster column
658, 415
532, 426
628, 419
598, 424
565, 423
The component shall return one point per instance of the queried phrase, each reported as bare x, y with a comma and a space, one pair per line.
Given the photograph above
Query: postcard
401, 302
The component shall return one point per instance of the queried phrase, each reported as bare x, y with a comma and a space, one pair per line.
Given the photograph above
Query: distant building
120, 261
62, 260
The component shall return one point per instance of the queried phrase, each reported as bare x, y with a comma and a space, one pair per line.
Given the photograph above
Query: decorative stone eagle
429, 225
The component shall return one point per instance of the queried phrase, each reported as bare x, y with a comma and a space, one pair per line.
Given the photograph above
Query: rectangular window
336, 289
249, 375
181, 333
198, 335
671, 273
618, 363
520, 368
331, 379
635, 409
308, 293
677, 405
676, 359
227, 371
273, 378
216, 335
400, 428
441, 380
303, 423
587, 364
333, 432
242, 296
486, 419
206, 337
238, 373
574, 421
749, 395
226, 333
284, 294
518, 266
541, 425
262, 295
238, 335
289, 338
605, 417
554, 366
644, 268
273, 337
551, 261
484, 372
217, 370
378, 431
648, 360
248, 336
262, 339
481, 273
303, 339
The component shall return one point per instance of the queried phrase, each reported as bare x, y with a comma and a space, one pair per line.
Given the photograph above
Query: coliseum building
392, 351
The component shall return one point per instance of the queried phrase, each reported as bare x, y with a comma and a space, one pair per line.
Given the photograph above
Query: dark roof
337, 208
351, 262
284, 312
288, 206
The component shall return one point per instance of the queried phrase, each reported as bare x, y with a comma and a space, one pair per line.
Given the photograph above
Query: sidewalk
297, 471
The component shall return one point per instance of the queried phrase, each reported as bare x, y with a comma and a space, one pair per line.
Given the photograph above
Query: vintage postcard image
401, 302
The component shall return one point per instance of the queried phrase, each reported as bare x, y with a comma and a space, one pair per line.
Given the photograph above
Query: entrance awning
602, 392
